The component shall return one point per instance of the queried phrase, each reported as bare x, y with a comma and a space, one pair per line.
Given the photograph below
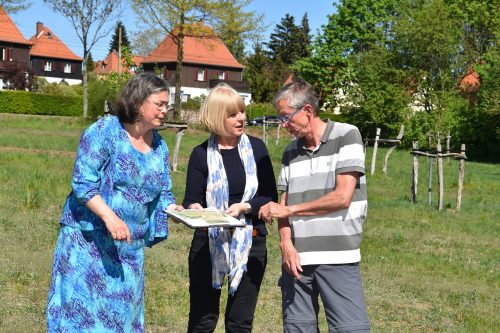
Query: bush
260, 109
40, 104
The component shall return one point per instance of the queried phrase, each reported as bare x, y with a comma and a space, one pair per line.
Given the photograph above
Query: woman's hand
195, 206
236, 209
118, 229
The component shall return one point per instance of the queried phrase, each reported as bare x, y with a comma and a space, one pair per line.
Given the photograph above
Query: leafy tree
145, 41
257, 74
115, 39
89, 19
188, 17
14, 6
19, 77
238, 25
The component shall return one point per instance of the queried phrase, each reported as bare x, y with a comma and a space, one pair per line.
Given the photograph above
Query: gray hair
133, 95
299, 93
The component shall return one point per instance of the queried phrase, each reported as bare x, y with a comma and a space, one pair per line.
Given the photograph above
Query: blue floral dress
98, 283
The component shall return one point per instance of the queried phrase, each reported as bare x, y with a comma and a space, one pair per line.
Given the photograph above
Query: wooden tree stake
374, 155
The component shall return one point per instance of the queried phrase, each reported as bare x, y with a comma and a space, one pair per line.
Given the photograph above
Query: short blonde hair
221, 102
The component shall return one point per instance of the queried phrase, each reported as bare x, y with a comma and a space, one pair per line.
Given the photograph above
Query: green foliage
102, 89
14, 6
259, 109
257, 74
61, 88
193, 103
25, 102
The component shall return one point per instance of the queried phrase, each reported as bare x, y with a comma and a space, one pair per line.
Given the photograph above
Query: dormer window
49, 35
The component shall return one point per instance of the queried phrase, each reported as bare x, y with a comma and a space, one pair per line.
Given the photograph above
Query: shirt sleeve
93, 154
196, 178
351, 156
266, 191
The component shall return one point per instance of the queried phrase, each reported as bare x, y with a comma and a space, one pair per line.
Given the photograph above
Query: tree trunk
85, 86
178, 69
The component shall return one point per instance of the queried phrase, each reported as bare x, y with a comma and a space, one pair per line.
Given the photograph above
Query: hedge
25, 102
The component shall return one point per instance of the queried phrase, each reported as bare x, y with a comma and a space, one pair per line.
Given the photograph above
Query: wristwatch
248, 208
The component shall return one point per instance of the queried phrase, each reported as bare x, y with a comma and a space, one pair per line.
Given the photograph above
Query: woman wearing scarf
231, 172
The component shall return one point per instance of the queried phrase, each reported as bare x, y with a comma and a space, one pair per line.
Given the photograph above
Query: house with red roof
206, 62
52, 59
111, 64
14, 48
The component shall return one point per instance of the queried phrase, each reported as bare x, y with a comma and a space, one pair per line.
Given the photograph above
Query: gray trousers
341, 292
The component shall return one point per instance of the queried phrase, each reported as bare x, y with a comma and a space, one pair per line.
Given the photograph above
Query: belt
254, 231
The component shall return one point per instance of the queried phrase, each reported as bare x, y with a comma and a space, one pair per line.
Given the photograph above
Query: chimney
39, 27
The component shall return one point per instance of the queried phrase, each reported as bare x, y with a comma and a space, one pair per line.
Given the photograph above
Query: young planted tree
183, 17
89, 18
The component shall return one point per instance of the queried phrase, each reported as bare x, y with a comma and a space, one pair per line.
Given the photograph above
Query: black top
197, 175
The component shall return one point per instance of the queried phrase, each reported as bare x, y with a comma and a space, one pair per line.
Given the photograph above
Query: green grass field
423, 270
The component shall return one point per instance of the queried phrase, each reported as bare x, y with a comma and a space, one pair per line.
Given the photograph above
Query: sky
273, 10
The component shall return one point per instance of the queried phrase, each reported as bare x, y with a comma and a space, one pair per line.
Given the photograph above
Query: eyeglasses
161, 106
285, 119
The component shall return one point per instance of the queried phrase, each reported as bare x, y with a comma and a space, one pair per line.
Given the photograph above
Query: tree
188, 17
89, 19
257, 74
90, 63
115, 39
14, 6
145, 41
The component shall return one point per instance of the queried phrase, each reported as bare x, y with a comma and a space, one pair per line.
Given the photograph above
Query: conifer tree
114, 44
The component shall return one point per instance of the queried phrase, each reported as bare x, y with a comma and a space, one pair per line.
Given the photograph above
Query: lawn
423, 270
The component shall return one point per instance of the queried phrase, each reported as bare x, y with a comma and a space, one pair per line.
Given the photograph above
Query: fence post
390, 150
440, 177
415, 173
448, 138
374, 155
178, 138
461, 174
278, 134
429, 183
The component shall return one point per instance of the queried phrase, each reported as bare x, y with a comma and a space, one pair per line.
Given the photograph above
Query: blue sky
273, 10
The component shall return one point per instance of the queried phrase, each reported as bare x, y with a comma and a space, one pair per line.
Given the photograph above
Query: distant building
52, 59
111, 64
14, 48
206, 62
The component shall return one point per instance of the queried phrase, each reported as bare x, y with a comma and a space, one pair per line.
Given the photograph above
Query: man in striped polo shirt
320, 216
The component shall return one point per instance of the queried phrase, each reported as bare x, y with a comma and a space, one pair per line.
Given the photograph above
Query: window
67, 68
5, 53
200, 74
48, 66
222, 75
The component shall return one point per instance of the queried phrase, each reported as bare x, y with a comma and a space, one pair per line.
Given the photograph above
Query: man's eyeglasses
161, 106
285, 119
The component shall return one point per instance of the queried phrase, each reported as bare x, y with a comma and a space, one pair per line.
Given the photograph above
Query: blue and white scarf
229, 254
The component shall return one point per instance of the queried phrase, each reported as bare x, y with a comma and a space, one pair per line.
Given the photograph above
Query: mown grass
423, 270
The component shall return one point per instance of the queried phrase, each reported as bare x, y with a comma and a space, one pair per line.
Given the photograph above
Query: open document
206, 218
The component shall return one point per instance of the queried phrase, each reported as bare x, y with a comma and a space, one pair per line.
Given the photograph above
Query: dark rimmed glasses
285, 119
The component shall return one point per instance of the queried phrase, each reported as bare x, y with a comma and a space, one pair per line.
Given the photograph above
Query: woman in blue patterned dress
121, 187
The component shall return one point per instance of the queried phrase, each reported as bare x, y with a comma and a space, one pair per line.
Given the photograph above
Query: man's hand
273, 209
291, 259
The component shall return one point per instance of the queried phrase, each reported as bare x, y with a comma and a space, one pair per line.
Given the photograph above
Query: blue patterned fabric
98, 283
229, 253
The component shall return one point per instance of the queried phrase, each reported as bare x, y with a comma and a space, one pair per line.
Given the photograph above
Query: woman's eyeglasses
161, 106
